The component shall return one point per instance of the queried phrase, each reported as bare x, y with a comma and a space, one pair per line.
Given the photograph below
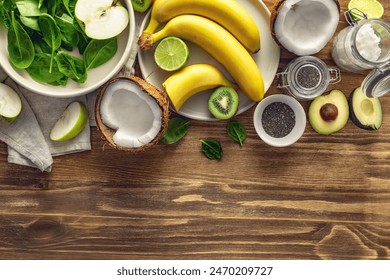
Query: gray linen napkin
28, 136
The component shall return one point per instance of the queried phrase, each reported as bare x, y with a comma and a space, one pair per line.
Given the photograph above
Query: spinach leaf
20, 46
72, 67
30, 22
30, 8
40, 3
212, 149
39, 70
67, 7
51, 34
6, 6
236, 131
70, 36
83, 38
53, 6
99, 52
177, 129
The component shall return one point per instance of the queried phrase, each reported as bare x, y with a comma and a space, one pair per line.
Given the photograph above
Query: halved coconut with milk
131, 114
304, 27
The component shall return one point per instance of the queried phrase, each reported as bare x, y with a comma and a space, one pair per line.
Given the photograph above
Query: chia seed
308, 77
278, 119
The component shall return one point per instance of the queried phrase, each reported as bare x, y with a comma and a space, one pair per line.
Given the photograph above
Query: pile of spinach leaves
41, 33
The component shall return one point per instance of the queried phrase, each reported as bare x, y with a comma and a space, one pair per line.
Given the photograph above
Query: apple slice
102, 19
71, 123
10, 103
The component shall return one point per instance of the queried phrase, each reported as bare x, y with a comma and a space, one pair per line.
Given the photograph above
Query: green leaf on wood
236, 131
212, 149
177, 129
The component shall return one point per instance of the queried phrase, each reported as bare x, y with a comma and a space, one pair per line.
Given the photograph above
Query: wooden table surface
325, 197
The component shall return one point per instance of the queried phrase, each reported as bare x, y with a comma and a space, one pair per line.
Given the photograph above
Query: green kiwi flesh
223, 103
140, 5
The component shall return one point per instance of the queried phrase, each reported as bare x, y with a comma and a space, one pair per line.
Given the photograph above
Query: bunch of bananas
224, 29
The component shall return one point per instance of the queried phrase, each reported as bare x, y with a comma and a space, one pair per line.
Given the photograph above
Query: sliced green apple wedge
102, 19
71, 123
10, 103
365, 112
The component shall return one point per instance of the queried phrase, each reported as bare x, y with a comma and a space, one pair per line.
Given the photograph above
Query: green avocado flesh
365, 112
334, 122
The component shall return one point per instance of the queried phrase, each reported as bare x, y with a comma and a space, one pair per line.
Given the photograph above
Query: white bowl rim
300, 120
85, 90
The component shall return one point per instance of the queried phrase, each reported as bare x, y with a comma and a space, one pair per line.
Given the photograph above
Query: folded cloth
28, 137
26, 143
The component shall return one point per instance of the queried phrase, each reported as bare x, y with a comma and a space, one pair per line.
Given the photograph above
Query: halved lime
372, 8
171, 54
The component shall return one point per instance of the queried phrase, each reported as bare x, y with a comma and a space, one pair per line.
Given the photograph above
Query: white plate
267, 60
96, 77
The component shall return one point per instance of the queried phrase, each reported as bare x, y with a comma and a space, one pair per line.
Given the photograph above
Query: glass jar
377, 83
363, 45
307, 77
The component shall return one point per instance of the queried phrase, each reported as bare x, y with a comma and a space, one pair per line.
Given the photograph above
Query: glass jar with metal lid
365, 45
307, 77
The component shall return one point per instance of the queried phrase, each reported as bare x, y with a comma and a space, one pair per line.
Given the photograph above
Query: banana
193, 79
220, 44
228, 13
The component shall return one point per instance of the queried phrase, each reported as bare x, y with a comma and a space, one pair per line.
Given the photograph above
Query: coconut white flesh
134, 114
304, 27
102, 19
10, 103
68, 121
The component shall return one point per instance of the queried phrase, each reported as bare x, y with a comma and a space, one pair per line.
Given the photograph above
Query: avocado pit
329, 112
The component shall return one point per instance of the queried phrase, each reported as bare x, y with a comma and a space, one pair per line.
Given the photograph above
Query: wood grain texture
325, 197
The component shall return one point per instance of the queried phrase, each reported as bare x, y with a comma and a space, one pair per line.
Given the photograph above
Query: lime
171, 54
372, 8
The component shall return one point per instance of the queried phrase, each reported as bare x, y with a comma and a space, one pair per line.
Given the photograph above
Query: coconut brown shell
274, 14
157, 94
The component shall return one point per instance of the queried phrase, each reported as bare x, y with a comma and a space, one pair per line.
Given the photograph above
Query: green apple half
102, 19
71, 123
10, 103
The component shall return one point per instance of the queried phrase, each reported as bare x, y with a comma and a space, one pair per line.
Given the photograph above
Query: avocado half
329, 113
365, 112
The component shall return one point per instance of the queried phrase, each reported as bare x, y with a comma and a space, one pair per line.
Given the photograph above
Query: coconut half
304, 27
131, 114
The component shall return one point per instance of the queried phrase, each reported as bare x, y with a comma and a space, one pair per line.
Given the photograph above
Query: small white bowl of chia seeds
279, 120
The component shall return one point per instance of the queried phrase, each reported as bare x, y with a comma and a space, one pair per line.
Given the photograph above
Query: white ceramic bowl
96, 77
300, 120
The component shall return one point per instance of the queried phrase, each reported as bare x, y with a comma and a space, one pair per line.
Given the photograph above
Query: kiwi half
223, 103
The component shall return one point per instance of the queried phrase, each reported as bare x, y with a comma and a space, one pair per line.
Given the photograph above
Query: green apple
71, 123
102, 19
10, 103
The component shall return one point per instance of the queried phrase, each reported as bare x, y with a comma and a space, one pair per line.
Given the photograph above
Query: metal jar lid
377, 83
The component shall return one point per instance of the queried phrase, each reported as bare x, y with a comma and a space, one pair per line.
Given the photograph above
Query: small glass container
363, 45
307, 77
